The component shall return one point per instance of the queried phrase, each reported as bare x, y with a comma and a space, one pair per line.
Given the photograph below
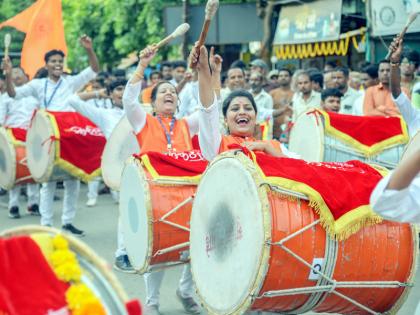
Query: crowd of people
176, 101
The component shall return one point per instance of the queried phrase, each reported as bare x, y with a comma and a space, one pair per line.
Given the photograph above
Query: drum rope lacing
50, 139
163, 220
326, 276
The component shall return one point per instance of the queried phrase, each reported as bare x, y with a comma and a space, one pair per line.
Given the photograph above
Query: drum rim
109, 146
321, 131
404, 295
81, 248
43, 115
263, 263
10, 184
149, 213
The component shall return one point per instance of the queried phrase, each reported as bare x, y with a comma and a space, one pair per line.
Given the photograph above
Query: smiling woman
239, 111
160, 132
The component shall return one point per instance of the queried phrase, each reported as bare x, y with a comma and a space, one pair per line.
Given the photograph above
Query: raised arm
209, 133
216, 70
7, 68
86, 42
405, 173
396, 48
133, 109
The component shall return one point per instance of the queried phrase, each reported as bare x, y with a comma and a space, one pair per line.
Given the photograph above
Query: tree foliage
117, 27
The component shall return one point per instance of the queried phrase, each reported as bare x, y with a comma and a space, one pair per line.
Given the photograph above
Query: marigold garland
80, 298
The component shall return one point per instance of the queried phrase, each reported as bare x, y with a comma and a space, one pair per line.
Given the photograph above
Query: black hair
330, 92
412, 56
371, 71
231, 68
156, 88
53, 52
103, 74
155, 72
166, 64
238, 93
238, 64
343, 70
383, 61
41, 73
317, 77
331, 63
116, 83
118, 73
286, 70
179, 63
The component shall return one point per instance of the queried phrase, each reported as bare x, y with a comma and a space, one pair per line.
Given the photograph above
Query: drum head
412, 147
229, 225
135, 214
40, 150
120, 146
7, 161
307, 137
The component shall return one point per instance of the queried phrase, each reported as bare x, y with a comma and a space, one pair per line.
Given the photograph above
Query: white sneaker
91, 202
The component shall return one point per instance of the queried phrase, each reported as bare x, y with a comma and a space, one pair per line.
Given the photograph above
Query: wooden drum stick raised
7, 41
179, 31
411, 18
211, 9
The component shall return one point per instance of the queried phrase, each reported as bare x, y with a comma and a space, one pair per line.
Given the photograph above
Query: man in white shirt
263, 100
331, 100
106, 119
305, 98
52, 94
397, 196
17, 114
235, 80
340, 78
410, 114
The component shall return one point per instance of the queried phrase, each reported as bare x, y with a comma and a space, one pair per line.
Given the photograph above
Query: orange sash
229, 140
152, 137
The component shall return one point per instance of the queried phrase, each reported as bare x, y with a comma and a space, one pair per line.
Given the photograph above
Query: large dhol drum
59, 250
13, 166
255, 246
41, 150
120, 146
309, 139
155, 216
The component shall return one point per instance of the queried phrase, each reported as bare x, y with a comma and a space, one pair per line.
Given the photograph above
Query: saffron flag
43, 24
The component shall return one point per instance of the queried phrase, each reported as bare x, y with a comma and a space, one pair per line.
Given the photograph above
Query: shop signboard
389, 17
309, 22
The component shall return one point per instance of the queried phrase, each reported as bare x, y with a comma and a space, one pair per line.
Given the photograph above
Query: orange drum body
155, 215
13, 167
265, 250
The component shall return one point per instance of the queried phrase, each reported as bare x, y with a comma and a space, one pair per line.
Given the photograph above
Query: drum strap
170, 133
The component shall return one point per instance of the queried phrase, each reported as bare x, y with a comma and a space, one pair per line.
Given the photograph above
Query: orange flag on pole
43, 24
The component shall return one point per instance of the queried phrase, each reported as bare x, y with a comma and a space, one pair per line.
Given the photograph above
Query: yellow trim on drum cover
156, 176
368, 151
339, 229
14, 141
65, 165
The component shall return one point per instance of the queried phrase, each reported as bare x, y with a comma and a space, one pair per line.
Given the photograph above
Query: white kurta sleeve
209, 135
193, 123
29, 89
397, 205
410, 114
86, 109
133, 109
78, 81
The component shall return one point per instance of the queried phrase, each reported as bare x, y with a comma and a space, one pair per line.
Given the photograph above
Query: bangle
138, 75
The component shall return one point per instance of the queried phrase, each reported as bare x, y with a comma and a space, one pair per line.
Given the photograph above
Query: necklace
46, 104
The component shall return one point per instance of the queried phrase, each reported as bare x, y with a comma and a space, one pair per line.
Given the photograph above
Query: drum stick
7, 41
211, 9
411, 18
179, 31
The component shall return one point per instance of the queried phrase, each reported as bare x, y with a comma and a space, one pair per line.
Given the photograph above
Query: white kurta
410, 114
397, 205
17, 113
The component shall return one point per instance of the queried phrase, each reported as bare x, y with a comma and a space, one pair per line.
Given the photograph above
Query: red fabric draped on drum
81, 142
18, 134
28, 285
336, 190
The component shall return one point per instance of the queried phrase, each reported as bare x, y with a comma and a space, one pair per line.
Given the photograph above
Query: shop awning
338, 47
